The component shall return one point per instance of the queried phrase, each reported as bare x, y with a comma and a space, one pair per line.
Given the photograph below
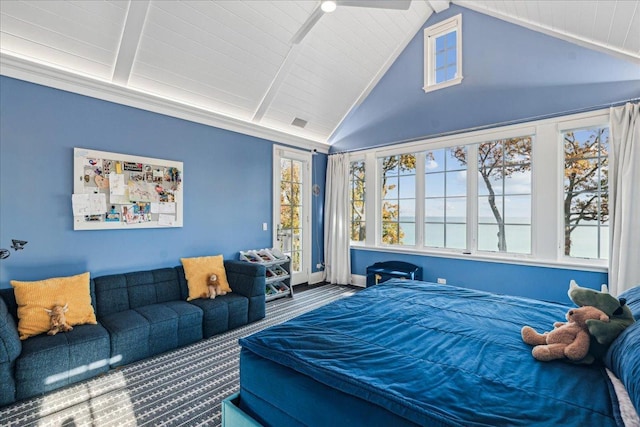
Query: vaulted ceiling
245, 66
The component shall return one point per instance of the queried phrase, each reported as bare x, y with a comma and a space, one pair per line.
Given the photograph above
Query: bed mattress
416, 353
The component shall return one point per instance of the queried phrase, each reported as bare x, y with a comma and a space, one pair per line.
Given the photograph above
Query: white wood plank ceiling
235, 60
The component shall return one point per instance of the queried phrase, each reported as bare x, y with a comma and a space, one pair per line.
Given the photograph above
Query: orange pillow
34, 297
197, 272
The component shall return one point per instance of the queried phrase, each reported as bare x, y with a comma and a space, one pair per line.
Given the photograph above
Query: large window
535, 192
357, 199
443, 54
504, 195
445, 204
398, 194
586, 197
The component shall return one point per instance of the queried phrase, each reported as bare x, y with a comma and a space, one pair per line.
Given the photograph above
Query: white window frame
547, 168
430, 35
565, 126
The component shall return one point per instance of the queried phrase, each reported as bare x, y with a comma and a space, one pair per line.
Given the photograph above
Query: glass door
292, 202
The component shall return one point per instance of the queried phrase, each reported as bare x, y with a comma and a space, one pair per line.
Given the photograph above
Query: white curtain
337, 256
624, 198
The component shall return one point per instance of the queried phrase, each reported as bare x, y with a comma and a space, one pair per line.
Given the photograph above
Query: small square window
443, 54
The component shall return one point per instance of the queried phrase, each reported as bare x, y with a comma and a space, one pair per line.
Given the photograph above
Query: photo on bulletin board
120, 191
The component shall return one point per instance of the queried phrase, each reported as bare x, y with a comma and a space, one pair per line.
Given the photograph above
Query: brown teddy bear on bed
58, 320
568, 340
214, 288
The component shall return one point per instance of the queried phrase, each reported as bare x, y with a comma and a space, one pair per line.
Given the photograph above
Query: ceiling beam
131, 34
438, 5
277, 81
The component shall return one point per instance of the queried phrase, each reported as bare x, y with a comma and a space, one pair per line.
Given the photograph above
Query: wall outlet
264, 226
442, 281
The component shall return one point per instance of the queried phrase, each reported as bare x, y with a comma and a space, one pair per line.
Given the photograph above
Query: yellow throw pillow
34, 297
197, 272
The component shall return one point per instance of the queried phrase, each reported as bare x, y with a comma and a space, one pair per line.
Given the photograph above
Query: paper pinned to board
163, 208
116, 184
89, 204
166, 220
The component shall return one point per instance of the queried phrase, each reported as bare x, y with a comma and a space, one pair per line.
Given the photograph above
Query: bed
406, 353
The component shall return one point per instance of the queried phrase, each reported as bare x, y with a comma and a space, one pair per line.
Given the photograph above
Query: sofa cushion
189, 321
49, 362
152, 287
215, 318
197, 272
129, 333
223, 313
112, 295
163, 327
34, 298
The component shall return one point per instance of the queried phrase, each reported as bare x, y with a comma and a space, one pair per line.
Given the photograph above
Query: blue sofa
140, 314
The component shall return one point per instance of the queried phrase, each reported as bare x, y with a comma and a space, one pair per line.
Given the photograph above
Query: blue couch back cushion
120, 292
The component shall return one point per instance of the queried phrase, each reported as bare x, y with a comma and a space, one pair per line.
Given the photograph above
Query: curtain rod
493, 125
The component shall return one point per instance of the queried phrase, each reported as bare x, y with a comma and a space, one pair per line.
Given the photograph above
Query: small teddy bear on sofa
214, 287
58, 320
568, 340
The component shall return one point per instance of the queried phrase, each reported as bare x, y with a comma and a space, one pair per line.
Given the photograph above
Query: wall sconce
17, 245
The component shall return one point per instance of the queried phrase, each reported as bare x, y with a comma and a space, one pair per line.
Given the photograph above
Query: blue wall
544, 283
227, 185
510, 74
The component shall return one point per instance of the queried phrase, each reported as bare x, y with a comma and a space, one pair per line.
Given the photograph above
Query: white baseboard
359, 280
316, 277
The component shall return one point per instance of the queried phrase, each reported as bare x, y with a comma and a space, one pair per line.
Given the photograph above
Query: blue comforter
440, 354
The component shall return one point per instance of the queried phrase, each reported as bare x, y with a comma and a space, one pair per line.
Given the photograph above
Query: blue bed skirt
417, 353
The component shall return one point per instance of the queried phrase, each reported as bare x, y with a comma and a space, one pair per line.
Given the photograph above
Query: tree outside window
586, 192
398, 199
504, 194
357, 200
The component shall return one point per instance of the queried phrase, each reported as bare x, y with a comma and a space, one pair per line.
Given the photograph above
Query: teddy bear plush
58, 320
602, 333
568, 340
214, 287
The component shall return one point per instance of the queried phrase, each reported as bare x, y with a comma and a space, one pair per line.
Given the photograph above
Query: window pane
434, 184
434, 210
441, 59
581, 244
517, 209
440, 75
456, 210
357, 178
435, 161
390, 190
434, 235
407, 185
490, 210
451, 57
487, 237
518, 239
407, 233
456, 236
450, 73
519, 181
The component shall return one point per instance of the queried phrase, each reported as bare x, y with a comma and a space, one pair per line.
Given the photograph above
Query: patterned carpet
184, 387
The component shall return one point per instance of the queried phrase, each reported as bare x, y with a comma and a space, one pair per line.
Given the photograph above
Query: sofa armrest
245, 278
10, 345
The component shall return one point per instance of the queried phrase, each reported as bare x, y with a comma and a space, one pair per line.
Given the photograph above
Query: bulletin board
120, 191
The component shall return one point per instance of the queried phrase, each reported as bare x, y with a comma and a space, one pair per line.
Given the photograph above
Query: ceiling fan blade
308, 25
380, 4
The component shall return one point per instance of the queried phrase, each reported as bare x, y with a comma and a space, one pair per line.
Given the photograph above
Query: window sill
452, 82
600, 266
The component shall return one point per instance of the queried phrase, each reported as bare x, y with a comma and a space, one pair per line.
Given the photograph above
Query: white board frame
80, 186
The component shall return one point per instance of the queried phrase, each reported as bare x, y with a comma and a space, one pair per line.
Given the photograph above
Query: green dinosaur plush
602, 333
